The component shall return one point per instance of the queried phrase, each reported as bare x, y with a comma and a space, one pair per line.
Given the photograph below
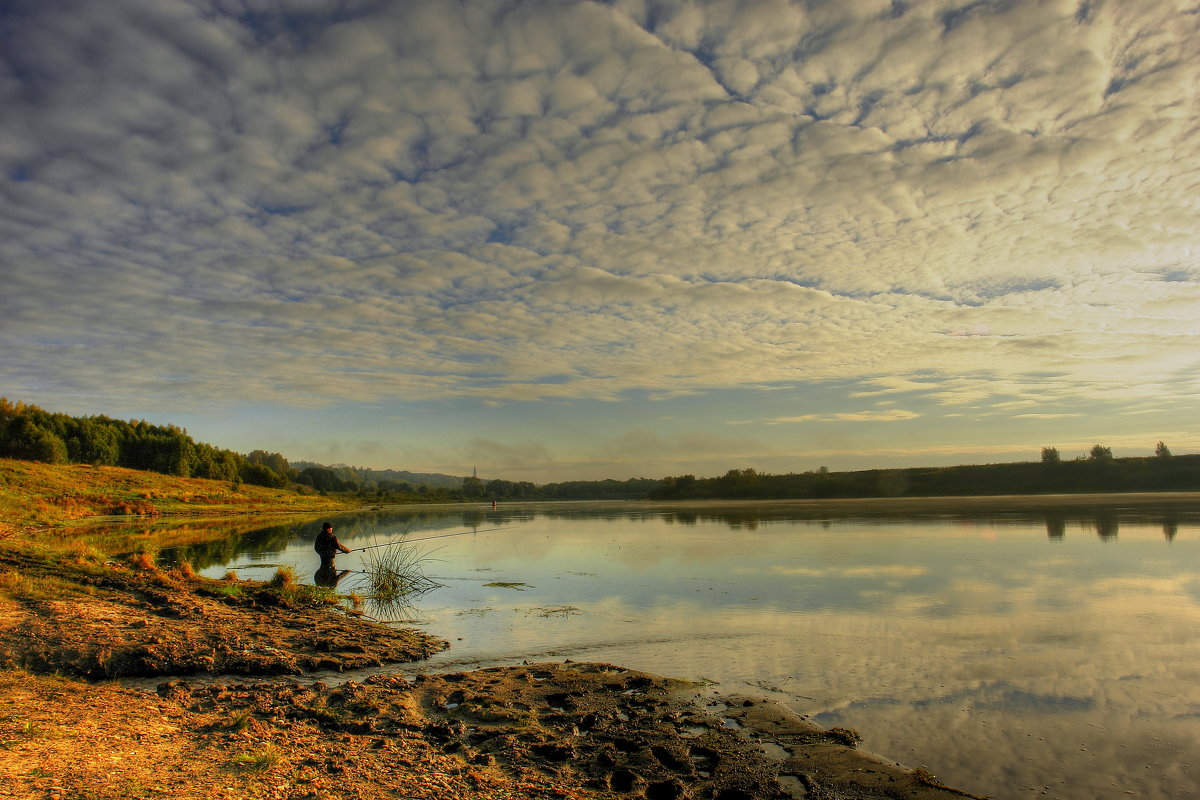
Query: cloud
570, 200
890, 415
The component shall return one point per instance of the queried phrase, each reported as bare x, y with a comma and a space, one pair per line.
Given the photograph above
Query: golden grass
15, 585
32, 493
143, 561
284, 578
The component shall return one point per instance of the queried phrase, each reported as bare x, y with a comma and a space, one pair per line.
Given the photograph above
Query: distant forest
1099, 472
30, 433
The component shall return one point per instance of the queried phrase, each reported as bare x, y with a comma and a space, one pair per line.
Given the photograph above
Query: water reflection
328, 575
1056, 526
1170, 527
1009, 648
388, 523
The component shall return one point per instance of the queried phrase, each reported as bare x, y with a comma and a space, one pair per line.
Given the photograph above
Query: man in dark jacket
327, 545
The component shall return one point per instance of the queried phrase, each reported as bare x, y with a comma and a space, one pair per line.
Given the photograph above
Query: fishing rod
427, 538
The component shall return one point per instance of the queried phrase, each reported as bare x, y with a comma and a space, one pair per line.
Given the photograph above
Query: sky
570, 239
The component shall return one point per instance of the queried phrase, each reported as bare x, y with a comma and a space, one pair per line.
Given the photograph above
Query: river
1015, 651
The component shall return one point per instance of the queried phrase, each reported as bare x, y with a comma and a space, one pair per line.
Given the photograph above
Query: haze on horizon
566, 239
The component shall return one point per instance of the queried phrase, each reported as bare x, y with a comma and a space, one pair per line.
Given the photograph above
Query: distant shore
966, 503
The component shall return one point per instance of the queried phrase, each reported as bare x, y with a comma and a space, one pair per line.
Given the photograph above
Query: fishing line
427, 538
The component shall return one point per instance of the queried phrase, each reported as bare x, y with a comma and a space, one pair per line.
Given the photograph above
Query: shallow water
1050, 652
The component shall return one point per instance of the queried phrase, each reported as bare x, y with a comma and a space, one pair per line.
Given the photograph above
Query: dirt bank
566, 730
115, 620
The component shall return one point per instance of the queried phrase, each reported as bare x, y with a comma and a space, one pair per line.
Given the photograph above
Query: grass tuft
233, 590
240, 720
82, 553
284, 579
259, 761
287, 588
143, 561
15, 585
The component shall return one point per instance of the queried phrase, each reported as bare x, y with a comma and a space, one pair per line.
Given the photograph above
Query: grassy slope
43, 494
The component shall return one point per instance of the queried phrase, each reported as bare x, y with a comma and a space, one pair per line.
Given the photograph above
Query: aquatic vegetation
395, 571
555, 611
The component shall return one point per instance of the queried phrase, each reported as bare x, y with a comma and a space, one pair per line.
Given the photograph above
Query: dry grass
258, 760
14, 584
284, 578
32, 493
143, 561
81, 552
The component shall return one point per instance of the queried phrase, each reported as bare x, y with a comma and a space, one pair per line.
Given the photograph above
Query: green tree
275, 461
1050, 455
472, 487
27, 440
322, 479
1162, 451
99, 443
1100, 453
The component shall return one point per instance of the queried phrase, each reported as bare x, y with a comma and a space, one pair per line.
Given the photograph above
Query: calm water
1049, 652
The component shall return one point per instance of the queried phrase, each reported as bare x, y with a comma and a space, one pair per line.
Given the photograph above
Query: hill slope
32, 493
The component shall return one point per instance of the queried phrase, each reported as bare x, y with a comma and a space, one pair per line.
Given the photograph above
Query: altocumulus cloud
569, 199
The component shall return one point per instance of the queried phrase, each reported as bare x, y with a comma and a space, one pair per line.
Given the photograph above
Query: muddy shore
562, 730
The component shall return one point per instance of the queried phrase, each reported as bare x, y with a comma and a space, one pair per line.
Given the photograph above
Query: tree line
30, 433
1099, 471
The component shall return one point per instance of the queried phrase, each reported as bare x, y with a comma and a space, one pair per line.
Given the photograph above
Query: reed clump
395, 572
143, 560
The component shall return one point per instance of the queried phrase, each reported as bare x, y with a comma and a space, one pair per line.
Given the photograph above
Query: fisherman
328, 546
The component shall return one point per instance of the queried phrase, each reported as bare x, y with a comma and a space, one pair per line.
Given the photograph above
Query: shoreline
570, 730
